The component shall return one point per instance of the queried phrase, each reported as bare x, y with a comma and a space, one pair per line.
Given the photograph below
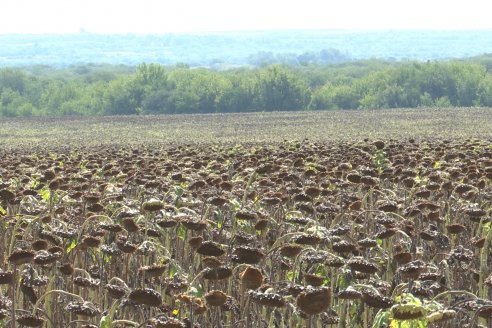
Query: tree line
234, 49
158, 89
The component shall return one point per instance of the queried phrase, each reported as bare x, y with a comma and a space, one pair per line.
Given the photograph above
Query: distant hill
225, 50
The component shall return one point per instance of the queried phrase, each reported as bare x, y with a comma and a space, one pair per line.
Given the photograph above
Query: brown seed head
30, 320
209, 248
20, 257
267, 299
215, 298
248, 255
146, 296
313, 301
251, 278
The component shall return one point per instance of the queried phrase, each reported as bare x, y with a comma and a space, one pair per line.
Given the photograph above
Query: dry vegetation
65, 133
376, 219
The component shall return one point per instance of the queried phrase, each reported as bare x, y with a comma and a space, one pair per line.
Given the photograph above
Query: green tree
13, 79
123, 96
438, 81
426, 100
207, 88
183, 101
159, 102
279, 89
152, 77
345, 97
484, 92
56, 93
239, 95
92, 89
442, 102
467, 77
12, 104
323, 98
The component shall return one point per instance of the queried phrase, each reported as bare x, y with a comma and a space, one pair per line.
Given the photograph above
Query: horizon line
252, 31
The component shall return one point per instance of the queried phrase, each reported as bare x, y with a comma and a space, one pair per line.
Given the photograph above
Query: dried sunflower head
145, 296
86, 309
313, 301
267, 299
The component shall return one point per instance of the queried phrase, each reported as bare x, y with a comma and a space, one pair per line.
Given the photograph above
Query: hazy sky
153, 16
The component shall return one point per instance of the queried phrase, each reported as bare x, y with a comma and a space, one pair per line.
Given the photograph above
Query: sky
198, 16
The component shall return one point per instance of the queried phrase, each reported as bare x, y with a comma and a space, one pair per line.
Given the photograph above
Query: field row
245, 128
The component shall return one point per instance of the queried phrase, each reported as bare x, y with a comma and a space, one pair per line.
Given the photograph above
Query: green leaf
321, 270
34, 184
197, 291
105, 322
172, 270
407, 323
178, 190
107, 258
290, 275
342, 282
181, 232
235, 204
486, 226
381, 319
2, 211
45, 194
72, 245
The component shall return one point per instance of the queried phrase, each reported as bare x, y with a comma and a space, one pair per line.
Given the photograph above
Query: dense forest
157, 89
